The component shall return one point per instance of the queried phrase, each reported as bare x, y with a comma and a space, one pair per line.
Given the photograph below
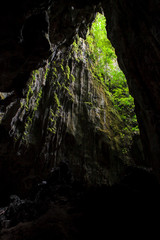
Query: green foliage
53, 119
67, 72
31, 108
100, 48
89, 104
77, 51
1, 96
104, 67
59, 85
75, 47
57, 100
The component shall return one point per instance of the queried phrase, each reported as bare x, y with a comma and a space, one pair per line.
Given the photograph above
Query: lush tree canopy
104, 64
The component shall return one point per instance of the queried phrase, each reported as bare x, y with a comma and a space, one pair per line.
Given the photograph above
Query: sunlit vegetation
103, 62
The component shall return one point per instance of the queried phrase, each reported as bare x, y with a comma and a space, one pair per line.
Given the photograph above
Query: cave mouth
103, 59
55, 208
102, 62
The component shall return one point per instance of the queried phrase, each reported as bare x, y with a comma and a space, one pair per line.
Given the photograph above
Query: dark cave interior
59, 208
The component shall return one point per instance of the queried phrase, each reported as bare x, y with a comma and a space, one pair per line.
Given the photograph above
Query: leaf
106, 70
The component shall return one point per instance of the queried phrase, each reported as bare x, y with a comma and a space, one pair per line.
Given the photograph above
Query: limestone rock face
30, 29
133, 28
66, 117
24, 43
57, 121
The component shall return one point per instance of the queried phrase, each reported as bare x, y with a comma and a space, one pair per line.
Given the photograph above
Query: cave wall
66, 118
30, 32
133, 28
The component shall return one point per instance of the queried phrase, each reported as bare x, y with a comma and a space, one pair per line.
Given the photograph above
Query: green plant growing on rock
52, 128
77, 51
31, 106
104, 68
57, 100
60, 85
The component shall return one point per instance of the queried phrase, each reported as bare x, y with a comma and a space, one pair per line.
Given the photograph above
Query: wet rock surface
61, 208
66, 116
26, 46
135, 38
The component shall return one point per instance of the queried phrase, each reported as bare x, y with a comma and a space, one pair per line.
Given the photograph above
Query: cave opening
103, 60
71, 158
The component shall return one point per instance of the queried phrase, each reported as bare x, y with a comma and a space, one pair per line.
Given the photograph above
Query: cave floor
64, 211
